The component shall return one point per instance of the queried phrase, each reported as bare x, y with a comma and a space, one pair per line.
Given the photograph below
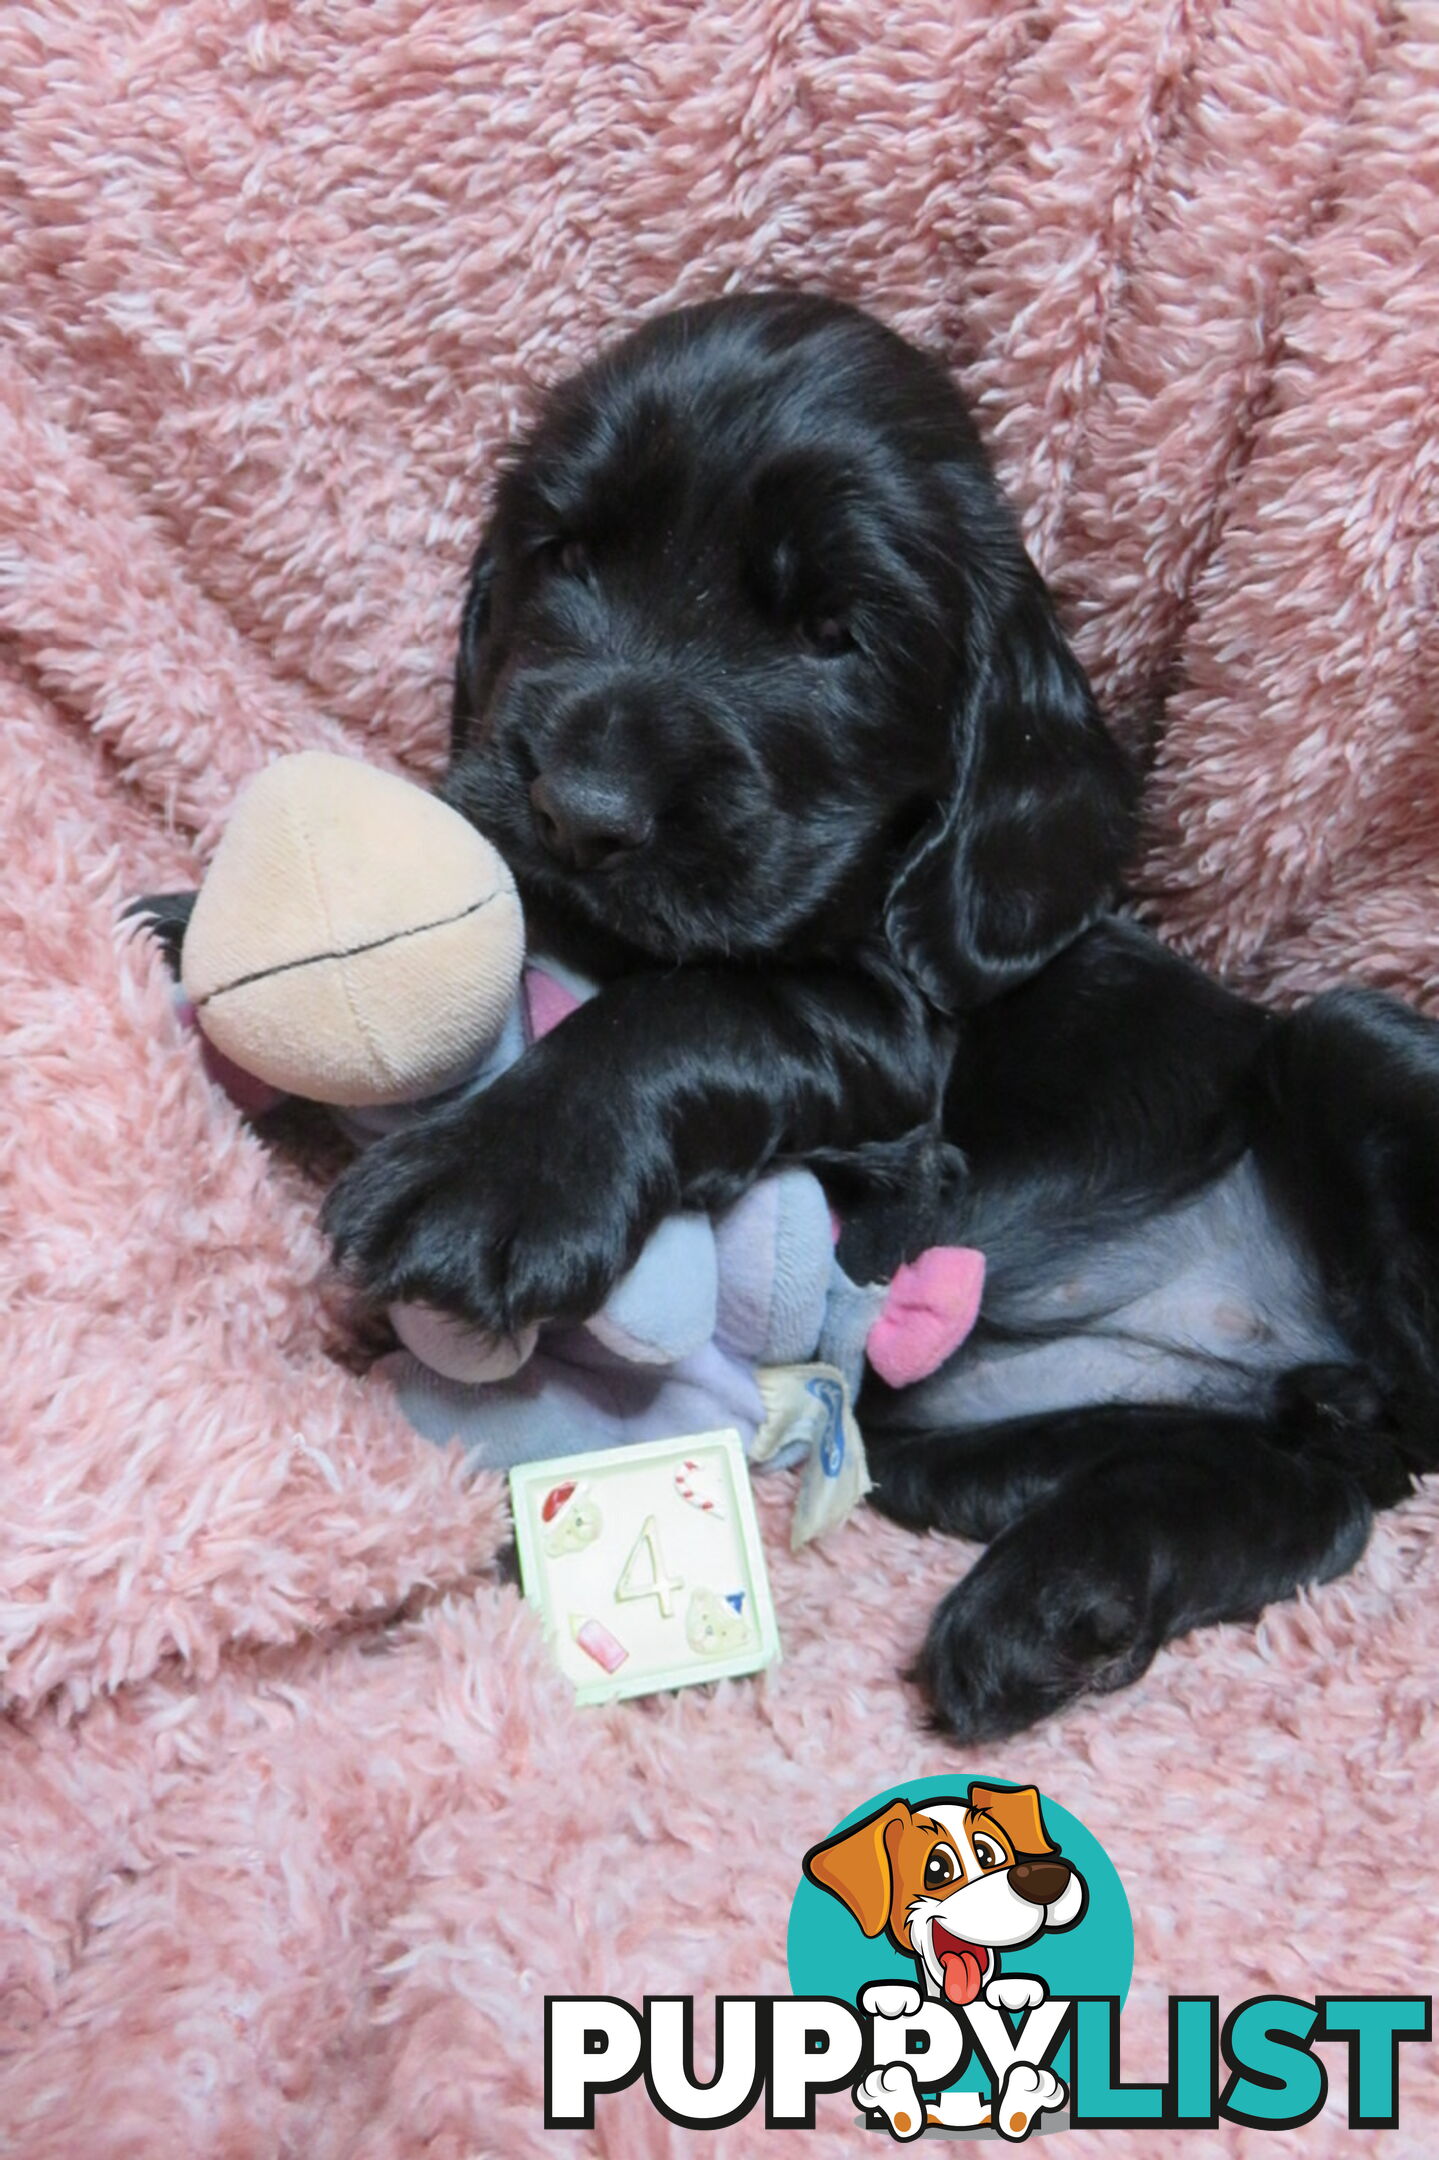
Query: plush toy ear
1018, 1815
166, 916
1027, 848
855, 1867
469, 659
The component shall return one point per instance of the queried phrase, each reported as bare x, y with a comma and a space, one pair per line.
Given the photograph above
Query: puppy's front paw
1027, 2093
890, 1999
1015, 1991
491, 1211
891, 2091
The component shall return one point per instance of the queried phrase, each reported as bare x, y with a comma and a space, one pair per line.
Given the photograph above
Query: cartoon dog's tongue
962, 1964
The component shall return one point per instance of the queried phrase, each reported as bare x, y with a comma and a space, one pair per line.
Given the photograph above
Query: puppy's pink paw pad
932, 1305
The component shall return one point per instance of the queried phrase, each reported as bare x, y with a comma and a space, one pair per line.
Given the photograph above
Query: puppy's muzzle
1039, 1882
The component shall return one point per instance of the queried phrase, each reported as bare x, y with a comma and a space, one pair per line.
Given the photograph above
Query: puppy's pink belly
1206, 1304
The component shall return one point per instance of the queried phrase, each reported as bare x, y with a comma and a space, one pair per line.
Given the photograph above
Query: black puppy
766, 705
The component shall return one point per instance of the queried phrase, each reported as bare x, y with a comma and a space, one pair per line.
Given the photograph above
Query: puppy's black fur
770, 712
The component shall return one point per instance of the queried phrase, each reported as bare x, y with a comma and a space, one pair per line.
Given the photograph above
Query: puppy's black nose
1039, 1882
587, 822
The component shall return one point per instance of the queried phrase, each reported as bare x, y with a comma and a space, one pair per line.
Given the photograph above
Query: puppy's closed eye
564, 555
808, 603
829, 635
810, 563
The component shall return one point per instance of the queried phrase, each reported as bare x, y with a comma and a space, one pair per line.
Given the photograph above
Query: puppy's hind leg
1345, 1119
975, 1483
1210, 1521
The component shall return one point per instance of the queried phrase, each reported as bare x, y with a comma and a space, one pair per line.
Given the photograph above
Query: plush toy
358, 943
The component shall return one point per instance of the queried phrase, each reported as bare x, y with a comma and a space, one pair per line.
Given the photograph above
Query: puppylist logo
960, 1953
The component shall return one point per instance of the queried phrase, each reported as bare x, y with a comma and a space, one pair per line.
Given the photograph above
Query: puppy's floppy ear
474, 628
1028, 847
855, 1866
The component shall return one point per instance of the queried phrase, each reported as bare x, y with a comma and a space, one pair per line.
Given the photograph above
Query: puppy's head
953, 1882
753, 663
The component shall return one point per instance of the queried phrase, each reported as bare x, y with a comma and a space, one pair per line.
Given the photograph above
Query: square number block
646, 1563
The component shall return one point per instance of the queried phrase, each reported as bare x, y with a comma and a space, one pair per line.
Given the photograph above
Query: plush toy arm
665, 1308
775, 1250
784, 1298
931, 1307
457, 1351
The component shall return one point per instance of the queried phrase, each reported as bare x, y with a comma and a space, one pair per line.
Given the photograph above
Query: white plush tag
807, 1409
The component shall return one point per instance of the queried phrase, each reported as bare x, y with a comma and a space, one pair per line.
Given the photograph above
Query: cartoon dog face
953, 1882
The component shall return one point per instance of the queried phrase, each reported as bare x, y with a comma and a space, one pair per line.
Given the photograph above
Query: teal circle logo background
828, 1954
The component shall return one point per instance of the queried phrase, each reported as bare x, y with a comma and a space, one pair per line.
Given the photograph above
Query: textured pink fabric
932, 1305
548, 1001
299, 1827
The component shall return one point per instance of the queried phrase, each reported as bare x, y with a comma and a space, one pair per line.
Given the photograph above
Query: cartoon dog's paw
1015, 1991
1027, 2093
892, 2092
890, 1999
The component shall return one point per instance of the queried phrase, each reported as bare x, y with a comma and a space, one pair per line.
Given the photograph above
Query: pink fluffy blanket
299, 1827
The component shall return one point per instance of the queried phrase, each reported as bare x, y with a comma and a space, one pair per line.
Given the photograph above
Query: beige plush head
355, 940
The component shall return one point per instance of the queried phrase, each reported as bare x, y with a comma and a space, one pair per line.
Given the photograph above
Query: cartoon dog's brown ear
855, 1866
1017, 1814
